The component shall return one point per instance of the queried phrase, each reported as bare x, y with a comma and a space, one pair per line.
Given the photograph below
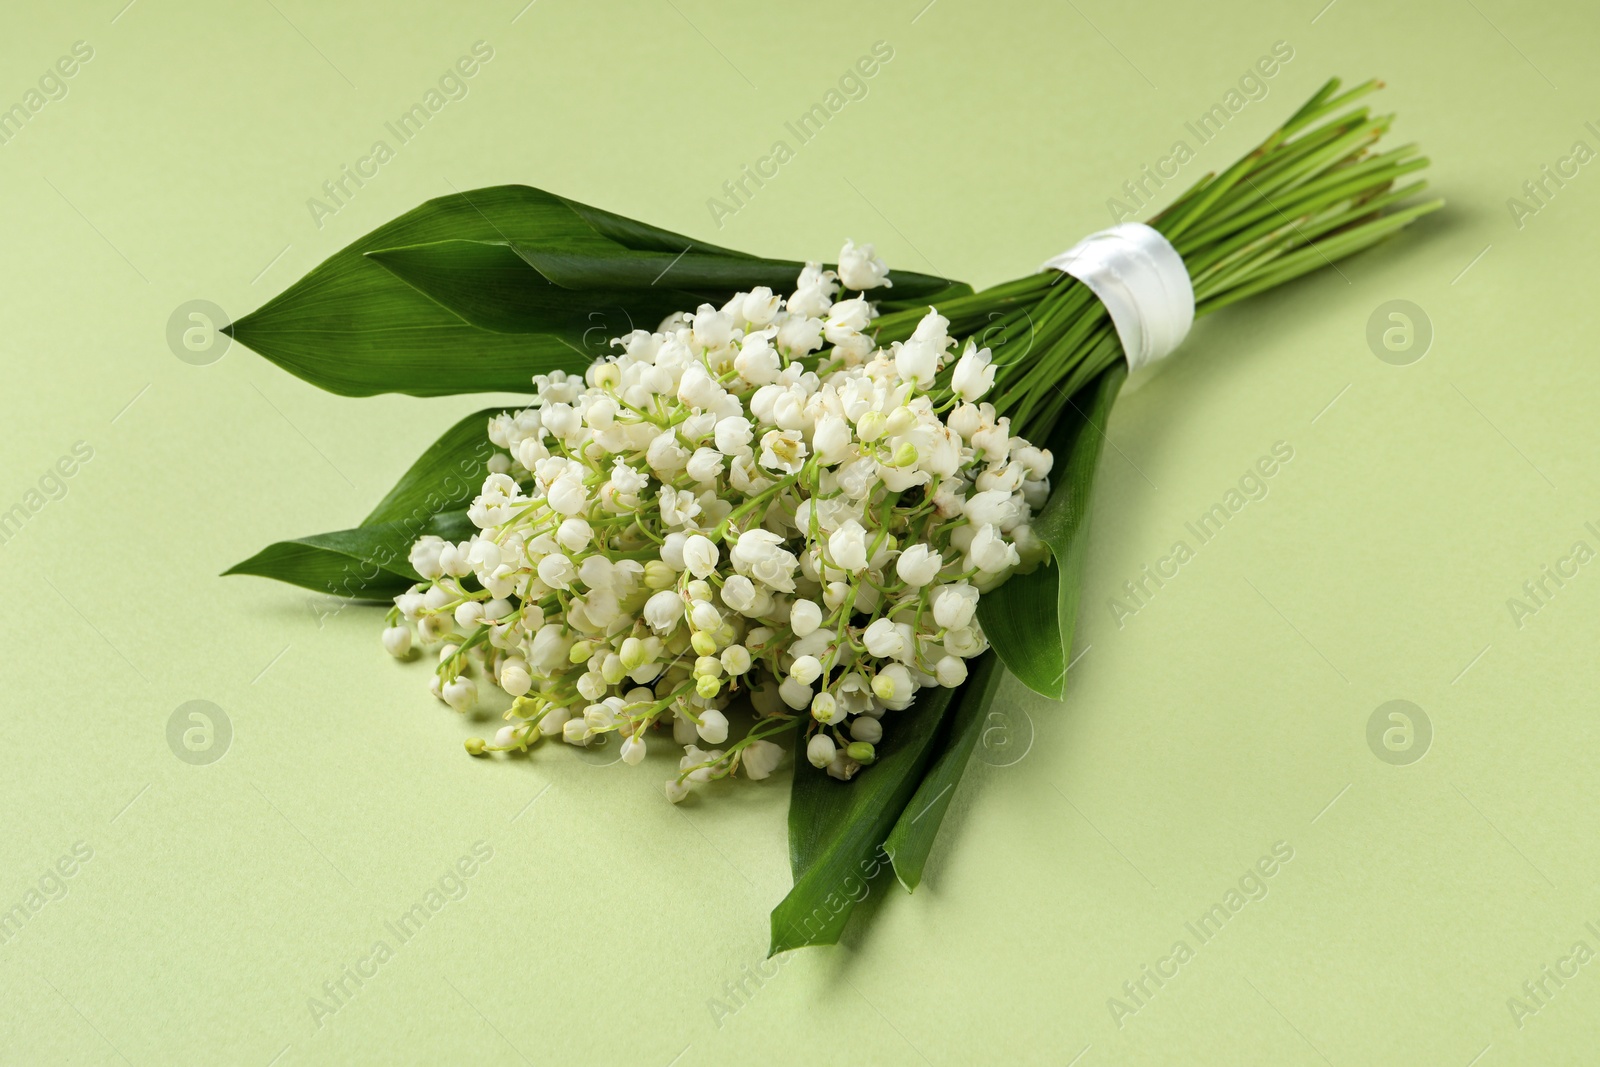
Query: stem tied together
1315, 191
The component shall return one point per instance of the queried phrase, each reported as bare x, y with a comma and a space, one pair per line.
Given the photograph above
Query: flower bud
515, 678
918, 565
872, 426
882, 639
795, 694
826, 709
397, 641
736, 659
951, 671
700, 555
703, 616
820, 750
713, 728
659, 575
633, 653
804, 617
592, 685
806, 669
574, 534
554, 721
461, 693
739, 593
575, 732
866, 728
892, 683
707, 686
703, 644
861, 752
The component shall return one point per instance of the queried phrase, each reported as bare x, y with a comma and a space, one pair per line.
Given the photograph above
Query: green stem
1313, 192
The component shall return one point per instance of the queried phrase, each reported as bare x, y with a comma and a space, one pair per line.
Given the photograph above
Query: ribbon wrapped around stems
1142, 281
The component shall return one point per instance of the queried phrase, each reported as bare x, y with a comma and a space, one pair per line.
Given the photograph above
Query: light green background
1227, 715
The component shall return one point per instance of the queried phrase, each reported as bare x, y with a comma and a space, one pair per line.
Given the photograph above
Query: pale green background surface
1227, 715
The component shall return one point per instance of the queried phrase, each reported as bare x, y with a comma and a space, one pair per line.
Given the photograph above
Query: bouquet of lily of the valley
756, 508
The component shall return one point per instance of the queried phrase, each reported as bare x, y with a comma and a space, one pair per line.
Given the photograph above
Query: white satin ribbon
1142, 281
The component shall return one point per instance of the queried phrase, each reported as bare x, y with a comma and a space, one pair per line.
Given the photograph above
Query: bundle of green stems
1315, 191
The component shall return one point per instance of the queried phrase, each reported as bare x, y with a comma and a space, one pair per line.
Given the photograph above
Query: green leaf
918, 295
370, 561
912, 838
367, 563
641, 236
385, 314
589, 293
352, 327
836, 829
490, 285
444, 478
1029, 619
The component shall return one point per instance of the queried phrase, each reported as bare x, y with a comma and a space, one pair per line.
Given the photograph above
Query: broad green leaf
356, 326
909, 289
1029, 619
367, 563
444, 478
715, 278
912, 838
904, 297
352, 327
488, 284
837, 829
591, 293
641, 236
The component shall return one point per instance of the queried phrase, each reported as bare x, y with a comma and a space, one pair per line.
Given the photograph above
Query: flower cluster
754, 500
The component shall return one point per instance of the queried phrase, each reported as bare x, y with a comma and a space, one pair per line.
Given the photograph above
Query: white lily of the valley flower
860, 268
974, 374
761, 758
